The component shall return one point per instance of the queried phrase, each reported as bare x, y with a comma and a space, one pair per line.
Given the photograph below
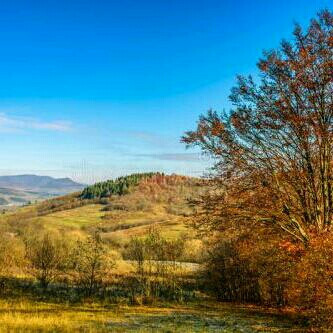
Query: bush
104, 201
193, 251
157, 266
230, 276
91, 264
252, 268
313, 282
47, 257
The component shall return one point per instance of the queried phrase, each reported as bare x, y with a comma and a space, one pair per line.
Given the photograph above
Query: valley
27, 189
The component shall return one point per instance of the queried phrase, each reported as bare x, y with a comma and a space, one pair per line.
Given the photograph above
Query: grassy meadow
197, 317
161, 295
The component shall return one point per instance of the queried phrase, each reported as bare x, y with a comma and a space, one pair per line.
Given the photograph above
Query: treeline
119, 186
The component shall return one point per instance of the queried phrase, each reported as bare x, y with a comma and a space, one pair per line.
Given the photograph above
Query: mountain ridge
21, 189
33, 182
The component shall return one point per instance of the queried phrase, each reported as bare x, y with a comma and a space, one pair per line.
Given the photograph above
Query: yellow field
18, 316
116, 225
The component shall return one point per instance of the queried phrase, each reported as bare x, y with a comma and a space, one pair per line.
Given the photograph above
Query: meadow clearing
197, 317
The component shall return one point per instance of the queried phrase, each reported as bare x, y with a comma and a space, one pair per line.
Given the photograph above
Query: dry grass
121, 225
27, 316
45, 317
73, 218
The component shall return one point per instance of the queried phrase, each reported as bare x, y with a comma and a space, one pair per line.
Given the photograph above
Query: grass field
27, 316
122, 225
72, 219
24, 307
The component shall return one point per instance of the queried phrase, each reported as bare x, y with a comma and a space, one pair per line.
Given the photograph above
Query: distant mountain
40, 184
15, 197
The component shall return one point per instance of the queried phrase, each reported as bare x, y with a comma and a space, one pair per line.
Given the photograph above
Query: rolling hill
150, 201
22, 189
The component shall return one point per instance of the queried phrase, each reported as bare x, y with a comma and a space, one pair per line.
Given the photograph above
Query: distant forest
119, 186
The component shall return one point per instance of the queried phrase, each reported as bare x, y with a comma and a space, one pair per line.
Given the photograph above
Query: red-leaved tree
274, 149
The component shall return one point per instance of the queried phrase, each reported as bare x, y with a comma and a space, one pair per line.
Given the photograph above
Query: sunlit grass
74, 218
51, 317
137, 223
48, 317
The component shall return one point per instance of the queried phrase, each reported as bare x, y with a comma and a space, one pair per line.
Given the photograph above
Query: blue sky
96, 89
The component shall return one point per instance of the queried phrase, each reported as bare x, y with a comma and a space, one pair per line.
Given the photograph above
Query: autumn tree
47, 257
158, 267
91, 263
273, 150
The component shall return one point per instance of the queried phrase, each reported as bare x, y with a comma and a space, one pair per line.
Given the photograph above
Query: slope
153, 201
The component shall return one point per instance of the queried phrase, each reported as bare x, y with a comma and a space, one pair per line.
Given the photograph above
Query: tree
273, 151
119, 186
47, 256
91, 263
157, 266
136, 251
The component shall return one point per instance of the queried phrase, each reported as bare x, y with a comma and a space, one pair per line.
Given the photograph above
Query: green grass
73, 218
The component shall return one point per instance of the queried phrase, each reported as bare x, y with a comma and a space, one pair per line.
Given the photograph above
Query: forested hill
119, 186
135, 203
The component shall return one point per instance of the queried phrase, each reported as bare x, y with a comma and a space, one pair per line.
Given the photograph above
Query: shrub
91, 264
157, 266
252, 268
230, 276
313, 282
47, 257
193, 250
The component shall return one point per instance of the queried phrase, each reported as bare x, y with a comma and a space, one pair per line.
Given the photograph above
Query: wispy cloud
15, 123
184, 157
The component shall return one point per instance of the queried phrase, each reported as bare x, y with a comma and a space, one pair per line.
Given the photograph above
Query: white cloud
13, 124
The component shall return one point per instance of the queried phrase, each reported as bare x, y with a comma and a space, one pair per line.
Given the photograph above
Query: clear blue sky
95, 89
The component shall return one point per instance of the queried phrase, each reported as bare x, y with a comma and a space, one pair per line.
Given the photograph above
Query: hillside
16, 197
154, 200
150, 202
